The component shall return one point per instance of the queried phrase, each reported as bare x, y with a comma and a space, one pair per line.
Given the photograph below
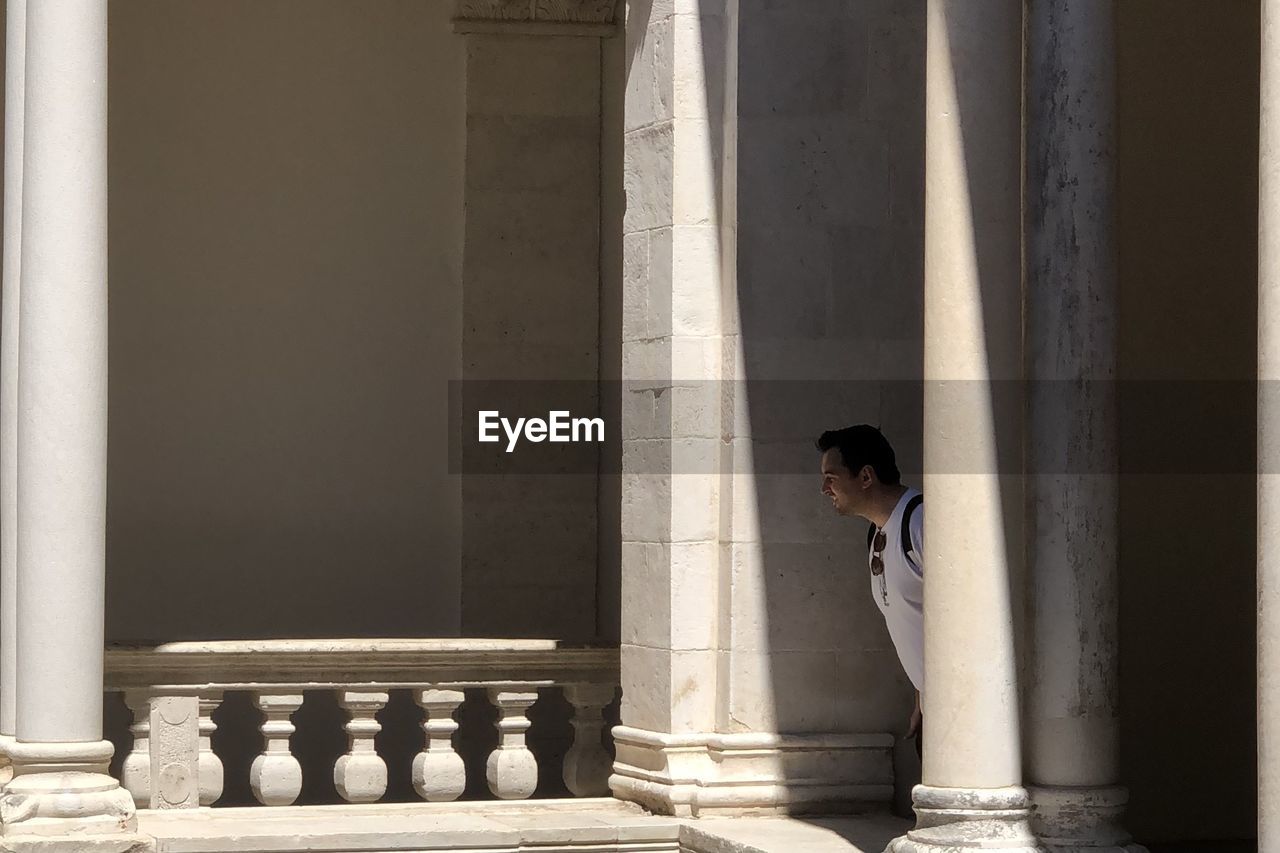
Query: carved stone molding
537, 17
700, 774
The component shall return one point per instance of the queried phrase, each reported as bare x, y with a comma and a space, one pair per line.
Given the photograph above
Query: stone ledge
537, 17
248, 664
532, 28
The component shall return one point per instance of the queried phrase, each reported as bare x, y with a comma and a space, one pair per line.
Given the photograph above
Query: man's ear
866, 476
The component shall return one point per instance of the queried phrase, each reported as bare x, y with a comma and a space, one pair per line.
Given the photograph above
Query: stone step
550, 826
599, 825
861, 834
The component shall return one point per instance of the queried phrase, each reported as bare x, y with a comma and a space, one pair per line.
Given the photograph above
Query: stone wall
531, 319
772, 287
829, 296
829, 289
286, 253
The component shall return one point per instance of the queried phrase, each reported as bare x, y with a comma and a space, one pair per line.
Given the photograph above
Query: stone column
60, 785
972, 795
1269, 437
14, 98
1073, 708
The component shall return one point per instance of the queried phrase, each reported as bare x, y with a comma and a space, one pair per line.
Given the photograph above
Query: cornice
537, 17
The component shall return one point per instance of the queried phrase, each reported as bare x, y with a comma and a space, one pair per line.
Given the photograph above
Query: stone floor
863, 834
550, 826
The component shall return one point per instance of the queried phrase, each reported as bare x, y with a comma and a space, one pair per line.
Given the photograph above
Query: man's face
839, 484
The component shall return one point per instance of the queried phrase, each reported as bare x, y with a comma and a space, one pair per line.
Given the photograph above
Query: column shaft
1071, 336
62, 392
1073, 716
971, 794
973, 279
14, 111
1269, 437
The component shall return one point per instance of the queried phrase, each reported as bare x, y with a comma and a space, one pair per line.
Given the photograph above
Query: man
860, 477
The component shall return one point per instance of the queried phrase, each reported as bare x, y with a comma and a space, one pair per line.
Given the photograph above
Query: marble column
1269, 436
1073, 702
60, 785
972, 793
14, 99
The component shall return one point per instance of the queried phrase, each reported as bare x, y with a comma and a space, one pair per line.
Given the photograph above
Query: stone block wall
772, 286
829, 289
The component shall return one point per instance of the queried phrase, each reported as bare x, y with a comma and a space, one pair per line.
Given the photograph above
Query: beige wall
286, 191
531, 330
829, 289
1188, 175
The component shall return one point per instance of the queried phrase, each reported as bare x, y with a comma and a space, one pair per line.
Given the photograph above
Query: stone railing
173, 691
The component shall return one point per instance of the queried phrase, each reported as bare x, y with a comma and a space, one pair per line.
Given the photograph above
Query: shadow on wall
829, 283
829, 182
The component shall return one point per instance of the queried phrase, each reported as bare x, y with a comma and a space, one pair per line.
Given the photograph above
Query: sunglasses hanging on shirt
877, 565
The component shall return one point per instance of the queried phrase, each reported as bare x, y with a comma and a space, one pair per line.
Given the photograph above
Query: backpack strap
906, 525
916, 501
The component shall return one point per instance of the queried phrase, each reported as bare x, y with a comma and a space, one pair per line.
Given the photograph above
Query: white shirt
899, 593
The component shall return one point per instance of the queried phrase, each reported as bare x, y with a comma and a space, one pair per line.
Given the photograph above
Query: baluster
511, 770
276, 776
210, 764
361, 775
439, 774
586, 764
135, 773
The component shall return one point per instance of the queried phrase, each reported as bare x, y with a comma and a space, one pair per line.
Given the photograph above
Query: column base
102, 844
6, 763
61, 792
700, 774
1081, 819
970, 818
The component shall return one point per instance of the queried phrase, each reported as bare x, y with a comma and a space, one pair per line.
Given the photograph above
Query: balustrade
174, 690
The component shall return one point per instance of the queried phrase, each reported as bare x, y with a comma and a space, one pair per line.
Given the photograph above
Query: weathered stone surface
174, 752
503, 827
723, 774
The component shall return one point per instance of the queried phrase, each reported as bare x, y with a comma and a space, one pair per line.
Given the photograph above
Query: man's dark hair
860, 446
